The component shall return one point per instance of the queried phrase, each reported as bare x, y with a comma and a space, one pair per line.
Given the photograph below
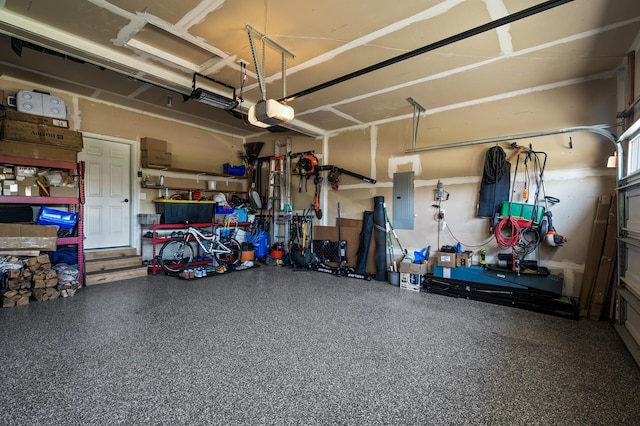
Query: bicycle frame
177, 254
216, 247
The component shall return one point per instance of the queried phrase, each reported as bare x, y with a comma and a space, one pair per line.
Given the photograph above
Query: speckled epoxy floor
275, 346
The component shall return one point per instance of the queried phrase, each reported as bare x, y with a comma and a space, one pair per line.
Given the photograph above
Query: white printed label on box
446, 272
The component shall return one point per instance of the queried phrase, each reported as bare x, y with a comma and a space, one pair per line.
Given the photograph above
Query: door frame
134, 190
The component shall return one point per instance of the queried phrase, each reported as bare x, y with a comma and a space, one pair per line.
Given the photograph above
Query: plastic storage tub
527, 212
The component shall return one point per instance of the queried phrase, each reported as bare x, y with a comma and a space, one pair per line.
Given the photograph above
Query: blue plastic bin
60, 218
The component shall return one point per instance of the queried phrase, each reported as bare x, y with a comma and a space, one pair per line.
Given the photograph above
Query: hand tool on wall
517, 153
316, 198
335, 172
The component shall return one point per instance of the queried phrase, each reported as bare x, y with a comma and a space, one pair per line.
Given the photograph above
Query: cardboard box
28, 187
37, 151
63, 192
411, 281
153, 144
157, 158
25, 171
22, 131
36, 119
413, 268
446, 260
349, 223
463, 260
9, 187
28, 237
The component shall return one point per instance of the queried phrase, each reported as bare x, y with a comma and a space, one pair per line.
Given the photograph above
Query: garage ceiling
141, 52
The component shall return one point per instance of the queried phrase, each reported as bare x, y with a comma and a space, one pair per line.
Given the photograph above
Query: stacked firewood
16, 285
23, 278
44, 278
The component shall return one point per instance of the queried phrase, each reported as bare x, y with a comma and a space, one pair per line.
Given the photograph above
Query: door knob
126, 200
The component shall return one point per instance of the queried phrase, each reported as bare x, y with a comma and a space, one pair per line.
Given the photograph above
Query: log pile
24, 278
44, 278
16, 285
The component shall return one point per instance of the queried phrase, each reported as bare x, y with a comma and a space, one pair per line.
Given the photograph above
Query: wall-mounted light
213, 92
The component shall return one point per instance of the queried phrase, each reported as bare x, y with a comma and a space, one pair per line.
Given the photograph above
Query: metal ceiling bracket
600, 129
260, 66
417, 109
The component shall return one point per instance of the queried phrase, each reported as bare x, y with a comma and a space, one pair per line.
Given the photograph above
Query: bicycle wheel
232, 258
175, 255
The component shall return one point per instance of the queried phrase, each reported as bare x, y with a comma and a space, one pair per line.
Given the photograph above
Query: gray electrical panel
403, 210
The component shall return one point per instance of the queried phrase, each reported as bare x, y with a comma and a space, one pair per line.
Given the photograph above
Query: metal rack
74, 204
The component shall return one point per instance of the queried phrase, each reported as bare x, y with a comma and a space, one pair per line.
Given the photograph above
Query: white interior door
107, 209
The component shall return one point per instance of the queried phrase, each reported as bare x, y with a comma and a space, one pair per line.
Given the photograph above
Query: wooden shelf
195, 172
180, 188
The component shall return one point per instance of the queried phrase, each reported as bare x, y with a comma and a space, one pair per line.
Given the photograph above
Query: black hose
495, 165
494, 188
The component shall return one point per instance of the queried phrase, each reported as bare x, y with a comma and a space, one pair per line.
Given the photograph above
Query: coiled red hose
507, 232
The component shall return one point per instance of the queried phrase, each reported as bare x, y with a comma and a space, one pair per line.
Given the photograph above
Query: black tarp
362, 254
494, 188
380, 237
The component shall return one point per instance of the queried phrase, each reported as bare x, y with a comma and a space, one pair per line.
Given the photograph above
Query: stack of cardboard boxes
23, 181
34, 136
154, 153
19, 180
454, 260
